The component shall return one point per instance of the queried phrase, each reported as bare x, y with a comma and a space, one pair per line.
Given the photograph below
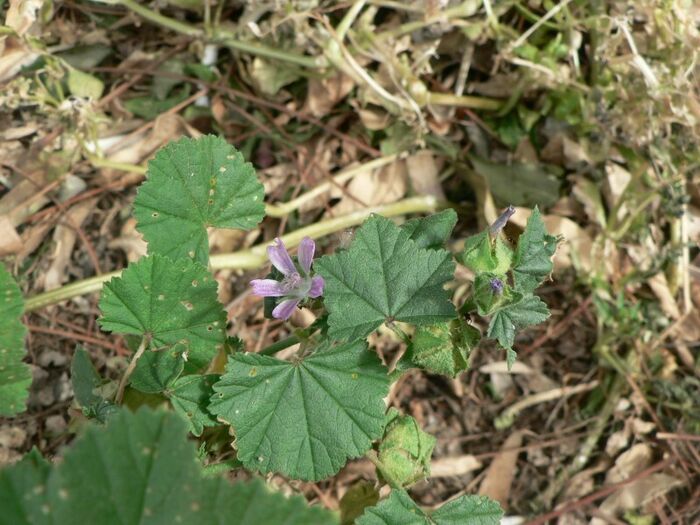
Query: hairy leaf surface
384, 276
432, 231
15, 376
172, 301
533, 256
139, 468
193, 184
304, 418
400, 509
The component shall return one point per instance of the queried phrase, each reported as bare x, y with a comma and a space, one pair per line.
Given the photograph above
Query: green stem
254, 257
282, 209
280, 345
158, 19
464, 101
222, 37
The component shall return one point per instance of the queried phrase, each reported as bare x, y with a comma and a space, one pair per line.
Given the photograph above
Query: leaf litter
589, 111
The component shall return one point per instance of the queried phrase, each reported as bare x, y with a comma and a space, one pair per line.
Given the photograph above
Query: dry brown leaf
629, 463
635, 495
325, 93
64, 238
453, 466
10, 242
373, 188
423, 172
373, 120
14, 53
616, 181
130, 241
143, 145
499, 476
22, 14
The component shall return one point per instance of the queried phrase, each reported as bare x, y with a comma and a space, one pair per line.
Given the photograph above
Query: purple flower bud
502, 220
295, 286
496, 286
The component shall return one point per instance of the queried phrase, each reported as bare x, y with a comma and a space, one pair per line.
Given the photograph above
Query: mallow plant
192, 393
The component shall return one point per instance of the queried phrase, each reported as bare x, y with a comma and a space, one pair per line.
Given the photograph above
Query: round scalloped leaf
15, 376
400, 509
172, 301
139, 468
384, 276
304, 418
158, 368
193, 184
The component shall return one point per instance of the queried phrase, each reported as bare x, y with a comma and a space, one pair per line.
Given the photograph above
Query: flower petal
267, 288
285, 309
307, 246
317, 284
280, 258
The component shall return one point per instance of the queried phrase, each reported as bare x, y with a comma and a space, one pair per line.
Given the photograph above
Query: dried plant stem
283, 208
506, 418
255, 256
130, 369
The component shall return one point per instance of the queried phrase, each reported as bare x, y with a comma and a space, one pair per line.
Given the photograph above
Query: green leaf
443, 348
139, 468
358, 497
86, 384
158, 368
384, 276
432, 231
533, 256
482, 254
189, 396
15, 376
525, 311
84, 85
405, 450
190, 186
148, 107
172, 301
397, 509
519, 184
400, 509
478, 253
304, 418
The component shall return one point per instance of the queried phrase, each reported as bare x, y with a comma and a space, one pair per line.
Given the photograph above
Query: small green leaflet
482, 254
158, 368
400, 509
189, 396
306, 418
172, 301
190, 186
525, 311
443, 348
15, 376
533, 257
384, 276
86, 386
432, 231
139, 468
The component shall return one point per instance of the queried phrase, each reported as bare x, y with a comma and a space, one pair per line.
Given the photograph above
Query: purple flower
295, 286
496, 286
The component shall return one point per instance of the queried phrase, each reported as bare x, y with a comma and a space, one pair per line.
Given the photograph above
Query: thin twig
130, 369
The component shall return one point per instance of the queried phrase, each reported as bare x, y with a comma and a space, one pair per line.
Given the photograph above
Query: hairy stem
254, 257
130, 369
